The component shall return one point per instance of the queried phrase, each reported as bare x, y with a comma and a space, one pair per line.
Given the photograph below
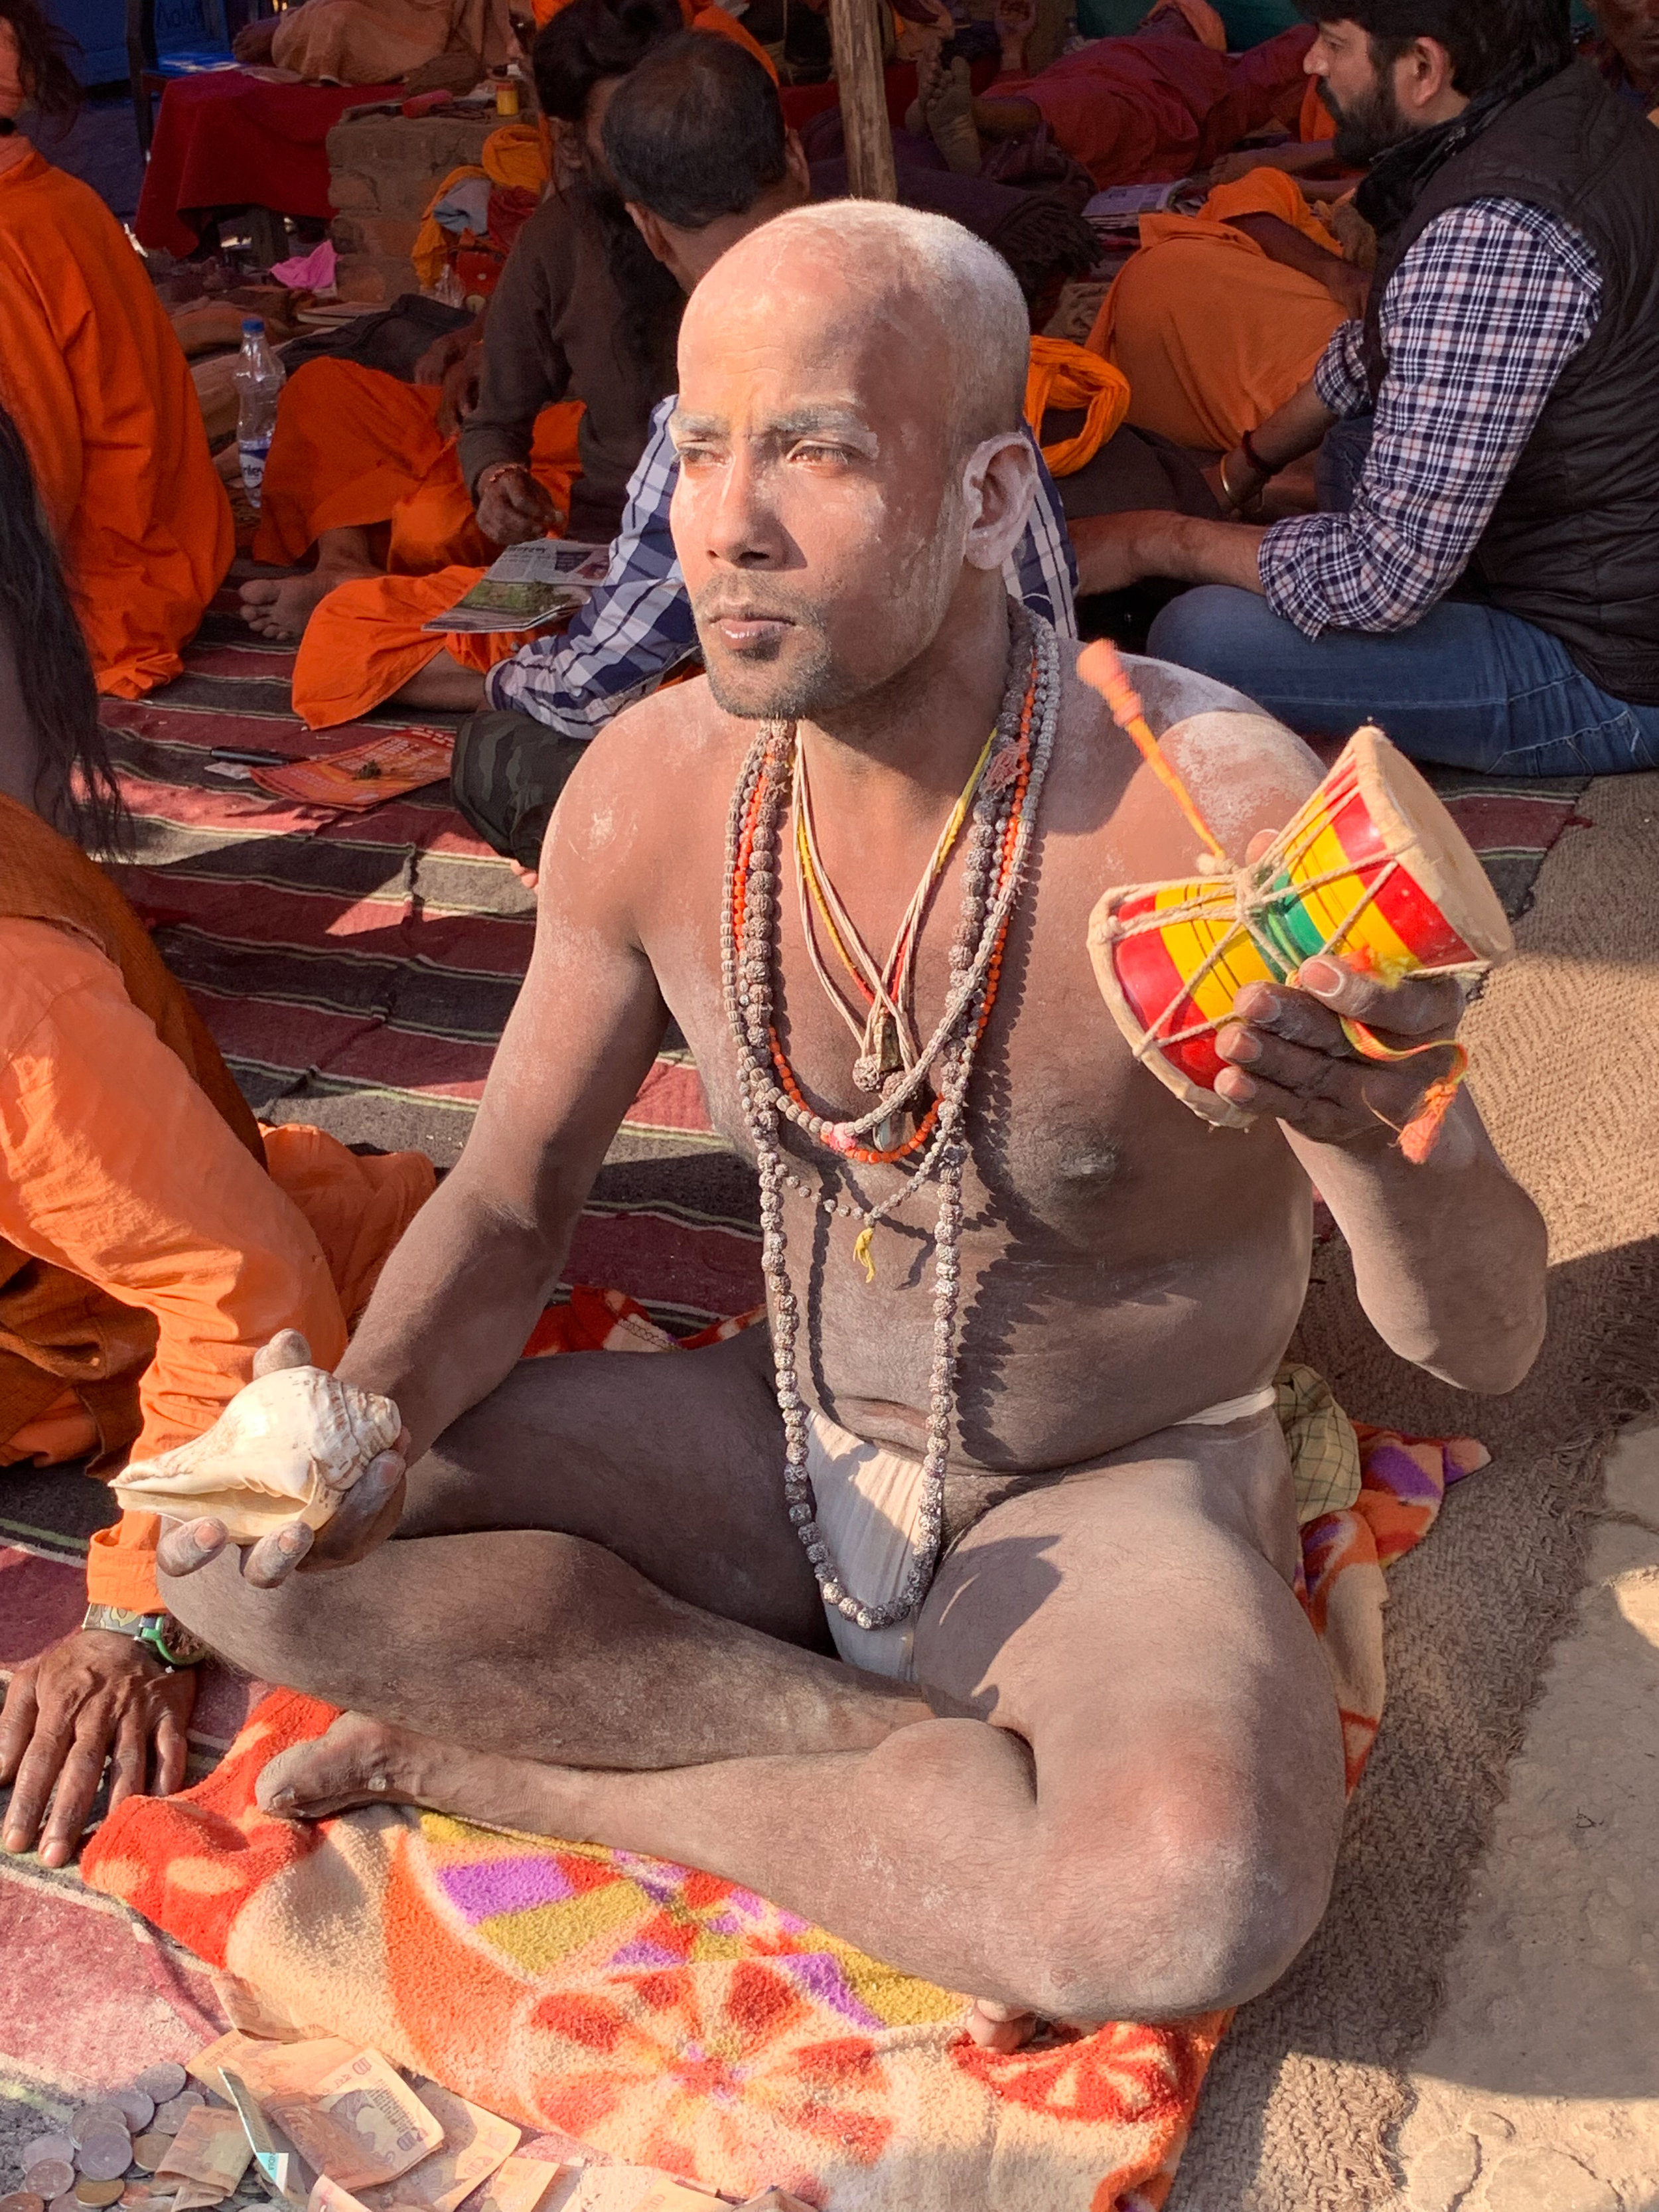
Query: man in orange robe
152, 1236
1222, 315
96, 382
355, 449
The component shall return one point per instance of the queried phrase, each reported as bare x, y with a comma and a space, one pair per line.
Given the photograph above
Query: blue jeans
1467, 685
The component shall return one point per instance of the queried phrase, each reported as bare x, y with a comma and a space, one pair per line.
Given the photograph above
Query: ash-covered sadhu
1005, 1445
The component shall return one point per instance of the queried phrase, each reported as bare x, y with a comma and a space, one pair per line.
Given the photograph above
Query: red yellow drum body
1372, 870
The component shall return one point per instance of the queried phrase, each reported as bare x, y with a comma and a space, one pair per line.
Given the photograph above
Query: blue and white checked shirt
1482, 315
637, 625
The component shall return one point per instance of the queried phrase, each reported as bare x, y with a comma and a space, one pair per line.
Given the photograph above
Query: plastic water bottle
260, 380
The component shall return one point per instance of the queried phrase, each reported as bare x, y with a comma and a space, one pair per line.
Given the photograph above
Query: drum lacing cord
1253, 895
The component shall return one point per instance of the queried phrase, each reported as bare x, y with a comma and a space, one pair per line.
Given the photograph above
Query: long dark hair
75, 786
586, 42
50, 85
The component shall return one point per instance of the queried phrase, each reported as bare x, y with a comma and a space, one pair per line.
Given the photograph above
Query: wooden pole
855, 39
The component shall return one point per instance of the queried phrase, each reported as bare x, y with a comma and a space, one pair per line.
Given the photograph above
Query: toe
349, 1764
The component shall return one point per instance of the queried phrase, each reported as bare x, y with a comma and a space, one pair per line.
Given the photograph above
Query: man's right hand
370, 1500
513, 507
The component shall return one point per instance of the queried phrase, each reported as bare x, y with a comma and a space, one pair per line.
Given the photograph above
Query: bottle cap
254, 326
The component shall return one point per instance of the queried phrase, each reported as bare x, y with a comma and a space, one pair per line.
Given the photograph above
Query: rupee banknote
361, 2126
521, 2186
474, 2144
270, 2068
211, 2149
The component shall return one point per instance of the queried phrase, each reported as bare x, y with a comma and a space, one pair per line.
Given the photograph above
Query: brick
348, 188
362, 276
387, 237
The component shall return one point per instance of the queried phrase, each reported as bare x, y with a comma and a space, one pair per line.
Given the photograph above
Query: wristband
168, 1639
1247, 447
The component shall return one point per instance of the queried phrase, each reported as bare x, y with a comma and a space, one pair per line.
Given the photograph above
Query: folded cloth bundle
671, 2019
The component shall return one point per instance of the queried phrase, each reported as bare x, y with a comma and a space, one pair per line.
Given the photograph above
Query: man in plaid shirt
1465, 447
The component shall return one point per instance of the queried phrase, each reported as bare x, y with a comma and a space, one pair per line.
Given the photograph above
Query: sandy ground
1539, 2091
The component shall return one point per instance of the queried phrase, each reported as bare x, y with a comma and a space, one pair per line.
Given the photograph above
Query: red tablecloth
225, 139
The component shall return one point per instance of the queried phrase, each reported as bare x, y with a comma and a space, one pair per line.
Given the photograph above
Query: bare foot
362, 1761
948, 103
281, 607
996, 2026
528, 876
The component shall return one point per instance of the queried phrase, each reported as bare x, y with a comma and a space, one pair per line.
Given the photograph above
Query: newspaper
1120, 207
531, 585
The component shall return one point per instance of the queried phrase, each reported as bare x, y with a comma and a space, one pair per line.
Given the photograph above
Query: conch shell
286, 1448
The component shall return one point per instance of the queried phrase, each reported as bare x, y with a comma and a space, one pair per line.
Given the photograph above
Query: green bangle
171, 1643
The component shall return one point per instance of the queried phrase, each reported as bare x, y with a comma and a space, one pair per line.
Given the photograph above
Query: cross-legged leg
593, 1566
1123, 1797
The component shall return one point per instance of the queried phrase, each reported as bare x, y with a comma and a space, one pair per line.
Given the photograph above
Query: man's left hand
92, 1696
1290, 1057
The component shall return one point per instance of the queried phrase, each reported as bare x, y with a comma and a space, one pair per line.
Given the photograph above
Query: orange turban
1205, 22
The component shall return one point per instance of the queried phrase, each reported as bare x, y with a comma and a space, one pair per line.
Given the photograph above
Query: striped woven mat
357, 970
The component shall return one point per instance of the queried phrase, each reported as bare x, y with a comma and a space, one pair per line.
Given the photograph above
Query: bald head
852, 463
928, 281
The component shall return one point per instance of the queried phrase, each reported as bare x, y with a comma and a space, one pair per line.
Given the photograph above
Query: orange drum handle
1422, 1133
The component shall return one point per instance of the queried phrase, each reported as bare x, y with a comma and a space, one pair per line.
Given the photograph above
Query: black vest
1573, 541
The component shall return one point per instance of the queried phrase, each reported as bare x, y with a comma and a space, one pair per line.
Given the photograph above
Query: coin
137, 2108
90, 2118
104, 2154
22, 2200
163, 2080
149, 2150
170, 2112
49, 2177
97, 2192
57, 2146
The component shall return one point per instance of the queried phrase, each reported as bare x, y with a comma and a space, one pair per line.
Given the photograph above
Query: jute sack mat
1310, 2084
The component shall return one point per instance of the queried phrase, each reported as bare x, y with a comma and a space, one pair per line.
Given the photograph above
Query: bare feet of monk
361, 1761
996, 2026
947, 101
281, 606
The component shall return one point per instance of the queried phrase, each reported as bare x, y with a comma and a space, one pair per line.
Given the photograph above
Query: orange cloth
1201, 19
353, 445
102, 396
1316, 124
382, 41
366, 641
151, 1236
1067, 376
1212, 335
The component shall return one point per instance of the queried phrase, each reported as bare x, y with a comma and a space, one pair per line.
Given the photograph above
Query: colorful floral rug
670, 2019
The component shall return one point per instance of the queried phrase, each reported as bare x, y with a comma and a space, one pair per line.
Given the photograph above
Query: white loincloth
869, 1503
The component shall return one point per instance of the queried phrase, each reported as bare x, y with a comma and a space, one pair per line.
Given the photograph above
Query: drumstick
1101, 669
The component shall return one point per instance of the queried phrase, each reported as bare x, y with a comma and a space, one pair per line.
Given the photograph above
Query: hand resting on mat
359, 1492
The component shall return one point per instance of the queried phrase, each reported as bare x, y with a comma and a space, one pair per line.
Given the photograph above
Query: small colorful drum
1372, 870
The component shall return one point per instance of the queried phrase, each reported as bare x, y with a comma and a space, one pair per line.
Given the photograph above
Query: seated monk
1221, 316
1164, 101
1006, 1449
99, 388
696, 142
577, 348
376, 42
151, 1234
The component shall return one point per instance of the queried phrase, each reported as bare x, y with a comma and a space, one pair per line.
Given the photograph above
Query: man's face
1632, 28
817, 512
1358, 95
